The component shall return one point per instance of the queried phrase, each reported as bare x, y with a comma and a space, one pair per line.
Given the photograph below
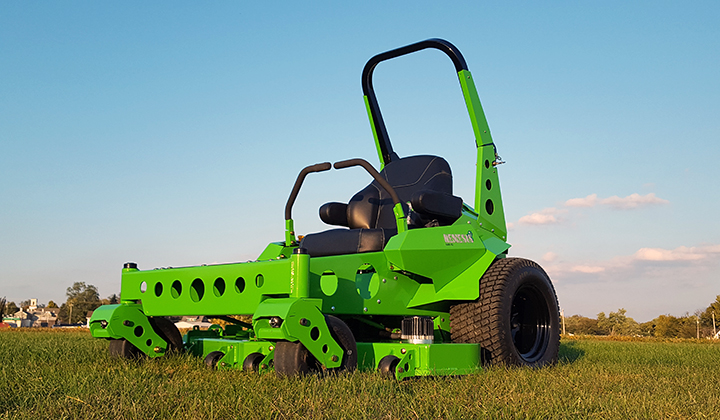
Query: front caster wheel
167, 330
124, 349
294, 359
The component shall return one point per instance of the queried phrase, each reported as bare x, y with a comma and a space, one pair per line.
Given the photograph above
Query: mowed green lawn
50, 374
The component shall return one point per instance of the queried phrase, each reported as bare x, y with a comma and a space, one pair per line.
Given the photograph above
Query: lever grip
375, 174
318, 167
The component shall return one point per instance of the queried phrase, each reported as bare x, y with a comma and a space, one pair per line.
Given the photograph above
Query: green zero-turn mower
413, 282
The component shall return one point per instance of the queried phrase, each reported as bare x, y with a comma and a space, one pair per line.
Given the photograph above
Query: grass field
51, 374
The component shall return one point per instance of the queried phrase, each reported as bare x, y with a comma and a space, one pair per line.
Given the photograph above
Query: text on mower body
458, 238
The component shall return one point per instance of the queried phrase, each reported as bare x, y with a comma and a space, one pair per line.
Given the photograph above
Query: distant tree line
665, 326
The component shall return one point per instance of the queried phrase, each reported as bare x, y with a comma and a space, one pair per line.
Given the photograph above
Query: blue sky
170, 134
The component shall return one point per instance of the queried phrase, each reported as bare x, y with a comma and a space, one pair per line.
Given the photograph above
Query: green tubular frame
420, 272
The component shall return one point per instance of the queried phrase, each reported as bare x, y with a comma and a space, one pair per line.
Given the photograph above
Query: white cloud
643, 260
633, 201
538, 219
589, 201
678, 254
549, 257
545, 217
549, 216
587, 269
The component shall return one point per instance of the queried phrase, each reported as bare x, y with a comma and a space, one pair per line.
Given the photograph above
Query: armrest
334, 214
444, 207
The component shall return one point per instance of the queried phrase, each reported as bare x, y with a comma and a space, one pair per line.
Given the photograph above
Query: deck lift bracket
127, 320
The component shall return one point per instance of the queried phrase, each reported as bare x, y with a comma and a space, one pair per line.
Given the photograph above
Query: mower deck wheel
212, 359
252, 362
388, 365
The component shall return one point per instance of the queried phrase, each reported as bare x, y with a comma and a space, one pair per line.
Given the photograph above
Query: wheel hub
529, 323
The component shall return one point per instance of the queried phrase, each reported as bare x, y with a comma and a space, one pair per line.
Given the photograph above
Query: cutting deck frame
413, 281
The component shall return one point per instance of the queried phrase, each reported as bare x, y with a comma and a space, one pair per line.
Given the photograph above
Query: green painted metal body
422, 359
419, 272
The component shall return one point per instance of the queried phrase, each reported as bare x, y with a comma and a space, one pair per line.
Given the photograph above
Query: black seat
425, 182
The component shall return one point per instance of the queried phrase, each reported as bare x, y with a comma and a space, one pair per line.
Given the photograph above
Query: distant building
19, 319
33, 317
45, 317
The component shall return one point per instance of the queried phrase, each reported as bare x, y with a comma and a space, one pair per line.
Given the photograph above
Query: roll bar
379, 124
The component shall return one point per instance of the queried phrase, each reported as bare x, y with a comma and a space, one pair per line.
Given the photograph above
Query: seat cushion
346, 241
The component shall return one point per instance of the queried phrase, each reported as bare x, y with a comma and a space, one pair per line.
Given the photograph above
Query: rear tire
516, 318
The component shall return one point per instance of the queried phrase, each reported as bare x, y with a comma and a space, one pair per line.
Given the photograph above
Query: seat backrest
372, 207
